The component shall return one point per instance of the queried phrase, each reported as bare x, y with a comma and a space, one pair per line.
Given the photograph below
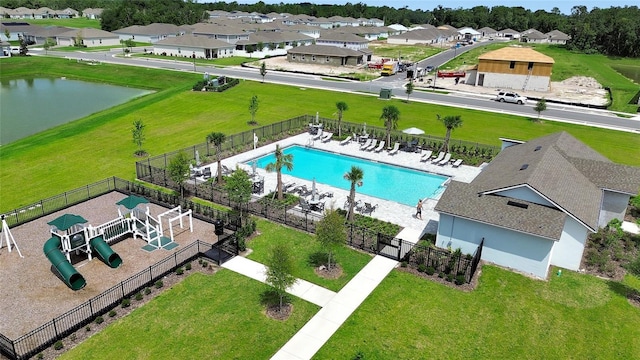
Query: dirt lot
32, 294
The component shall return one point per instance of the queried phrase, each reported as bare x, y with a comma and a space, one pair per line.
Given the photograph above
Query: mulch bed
274, 312
464, 287
334, 273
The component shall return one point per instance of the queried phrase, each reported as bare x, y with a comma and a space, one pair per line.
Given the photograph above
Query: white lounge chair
366, 144
395, 149
446, 159
318, 135
457, 163
380, 147
345, 141
439, 158
374, 142
426, 155
327, 137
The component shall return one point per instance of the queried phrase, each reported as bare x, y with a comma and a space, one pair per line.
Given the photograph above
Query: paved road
563, 113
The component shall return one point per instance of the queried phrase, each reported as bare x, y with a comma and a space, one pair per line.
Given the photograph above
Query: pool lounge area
386, 210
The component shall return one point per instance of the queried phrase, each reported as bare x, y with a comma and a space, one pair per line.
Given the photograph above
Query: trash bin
385, 94
219, 225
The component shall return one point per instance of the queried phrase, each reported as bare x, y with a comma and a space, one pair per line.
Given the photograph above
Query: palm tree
390, 114
450, 122
217, 138
282, 160
355, 177
342, 107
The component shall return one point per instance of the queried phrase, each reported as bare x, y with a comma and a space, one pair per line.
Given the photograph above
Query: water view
29, 106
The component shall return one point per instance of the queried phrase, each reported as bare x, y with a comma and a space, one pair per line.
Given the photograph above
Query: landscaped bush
88, 328
450, 277
125, 303
159, 284
179, 271
139, 296
459, 280
430, 270
58, 345
147, 291
422, 268
187, 266
99, 320
112, 313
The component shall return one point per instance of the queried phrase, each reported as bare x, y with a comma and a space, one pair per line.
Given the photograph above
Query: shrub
422, 268
179, 271
99, 320
441, 275
204, 264
450, 277
159, 284
112, 313
431, 270
139, 296
58, 345
403, 264
460, 280
125, 303
88, 328
147, 291
188, 266
40, 356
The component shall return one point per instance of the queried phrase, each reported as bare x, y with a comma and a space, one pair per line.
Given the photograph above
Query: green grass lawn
303, 245
230, 61
100, 145
80, 22
508, 316
204, 317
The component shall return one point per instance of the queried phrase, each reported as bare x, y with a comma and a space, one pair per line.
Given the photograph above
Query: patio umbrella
313, 190
66, 221
197, 158
131, 201
364, 128
413, 131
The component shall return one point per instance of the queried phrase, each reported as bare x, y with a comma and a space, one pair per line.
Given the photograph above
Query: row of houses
47, 13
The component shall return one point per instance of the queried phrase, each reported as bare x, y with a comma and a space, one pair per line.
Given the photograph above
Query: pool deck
396, 213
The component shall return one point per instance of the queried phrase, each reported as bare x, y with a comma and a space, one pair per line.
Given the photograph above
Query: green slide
105, 252
70, 275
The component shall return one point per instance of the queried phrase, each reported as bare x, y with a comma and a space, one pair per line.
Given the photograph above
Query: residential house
557, 37
487, 32
513, 68
509, 33
321, 22
150, 33
191, 46
399, 28
39, 34
339, 38
93, 14
422, 36
311, 31
533, 36
15, 30
89, 37
229, 34
270, 43
535, 204
326, 55
67, 13
5, 49
468, 33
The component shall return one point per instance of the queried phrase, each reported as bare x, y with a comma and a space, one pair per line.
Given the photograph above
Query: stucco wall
522, 252
614, 205
567, 252
508, 81
185, 51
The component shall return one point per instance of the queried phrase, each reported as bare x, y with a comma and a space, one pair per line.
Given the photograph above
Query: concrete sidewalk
315, 333
303, 289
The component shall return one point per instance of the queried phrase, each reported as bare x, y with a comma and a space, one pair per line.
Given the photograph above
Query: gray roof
462, 200
336, 35
151, 29
324, 50
88, 33
561, 169
557, 35
274, 37
48, 31
534, 34
420, 35
212, 29
195, 42
487, 29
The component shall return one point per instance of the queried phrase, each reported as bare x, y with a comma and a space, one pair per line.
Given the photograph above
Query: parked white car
511, 97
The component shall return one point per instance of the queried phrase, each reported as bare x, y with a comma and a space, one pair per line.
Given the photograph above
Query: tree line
612, 31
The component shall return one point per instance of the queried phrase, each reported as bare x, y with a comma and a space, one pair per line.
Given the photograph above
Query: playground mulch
33, 295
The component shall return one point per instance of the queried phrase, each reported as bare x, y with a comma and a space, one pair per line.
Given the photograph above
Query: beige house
193, 46
88, 37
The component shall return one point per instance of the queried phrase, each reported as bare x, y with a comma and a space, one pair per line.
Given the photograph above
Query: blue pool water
380, 180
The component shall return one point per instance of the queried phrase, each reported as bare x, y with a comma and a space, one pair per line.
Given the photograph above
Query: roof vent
524, 167
517, 204
537, 148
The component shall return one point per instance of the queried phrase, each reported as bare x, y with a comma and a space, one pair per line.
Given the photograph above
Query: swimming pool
380, 180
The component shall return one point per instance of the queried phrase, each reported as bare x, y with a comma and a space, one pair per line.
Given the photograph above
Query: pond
29, 106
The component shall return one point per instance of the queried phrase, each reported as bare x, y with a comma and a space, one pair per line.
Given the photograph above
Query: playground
35, 290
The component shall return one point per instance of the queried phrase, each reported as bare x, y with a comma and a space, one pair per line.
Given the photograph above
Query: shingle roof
88, 33
559, 168
420, 35
557, 35
462, 200
151, 29
324, 50
512, 53
195, 42
335, 35
534, 34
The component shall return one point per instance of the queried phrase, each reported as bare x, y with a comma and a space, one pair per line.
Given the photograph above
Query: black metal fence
443, 262
40, 338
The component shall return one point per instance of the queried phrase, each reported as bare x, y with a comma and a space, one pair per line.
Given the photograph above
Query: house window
530, 66
512, 65
313, 58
